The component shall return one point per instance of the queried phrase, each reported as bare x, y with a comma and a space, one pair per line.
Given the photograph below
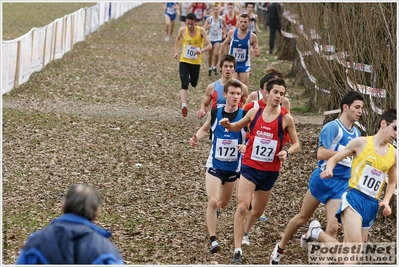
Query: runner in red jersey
263, 157
230, 17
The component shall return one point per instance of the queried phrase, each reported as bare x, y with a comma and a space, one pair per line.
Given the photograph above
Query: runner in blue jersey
224, 161
171, 12
214, 91
238, 43
334, 136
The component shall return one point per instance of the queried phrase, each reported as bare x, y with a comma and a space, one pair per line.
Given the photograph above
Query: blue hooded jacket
70, 239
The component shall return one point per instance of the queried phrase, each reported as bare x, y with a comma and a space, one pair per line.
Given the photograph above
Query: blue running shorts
324, 189
365, 206
264, 180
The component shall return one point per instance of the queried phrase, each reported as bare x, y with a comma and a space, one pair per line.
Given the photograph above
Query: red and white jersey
266, 140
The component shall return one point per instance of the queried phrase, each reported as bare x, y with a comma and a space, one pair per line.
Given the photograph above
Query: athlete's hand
326, 174
193, 141
387, 209
201, 113
225, 123
175, 55
242, 148
282, 155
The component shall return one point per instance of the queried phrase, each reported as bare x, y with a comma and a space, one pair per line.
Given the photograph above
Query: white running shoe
275, 257
245, 240
214, 247
167, 39
307, 237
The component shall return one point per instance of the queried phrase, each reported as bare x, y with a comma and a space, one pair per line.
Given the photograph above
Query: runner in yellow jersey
374, 158
192, 38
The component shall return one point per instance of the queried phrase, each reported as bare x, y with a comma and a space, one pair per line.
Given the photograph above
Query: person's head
83, 200
275, 72
227, 65
215, 8
352, 105
388, 123
232, 91
275, 91
191, 21
265, 79
249, 7
243, 21
230, 7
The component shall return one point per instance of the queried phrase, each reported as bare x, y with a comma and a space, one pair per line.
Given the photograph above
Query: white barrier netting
34, 50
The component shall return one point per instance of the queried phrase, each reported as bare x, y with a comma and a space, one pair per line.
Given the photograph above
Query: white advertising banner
94, 18
102, 12
67, 33
31, 52
88, 21
58, 41
25, 58
9, 65
38, 39
49, 44
79, 25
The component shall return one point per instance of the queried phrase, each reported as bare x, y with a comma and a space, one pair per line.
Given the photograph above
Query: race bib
170, 10
226, 149
263, 149
198, 13
215, 34
371, 181
190, 52
239, 54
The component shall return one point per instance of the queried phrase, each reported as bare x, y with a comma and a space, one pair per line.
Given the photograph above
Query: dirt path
110, 110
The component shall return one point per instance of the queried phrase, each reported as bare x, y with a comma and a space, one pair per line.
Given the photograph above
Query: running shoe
209, 73
245, 240
215, 71
214, 247
184, 111
275, 257
307, 237
237, 259
167, 39
217, 213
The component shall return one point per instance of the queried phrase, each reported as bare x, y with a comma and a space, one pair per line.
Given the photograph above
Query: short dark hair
248, 3
265, 79
228, 58
270, 74
191, 16
275, 72
244, 15
233, 83
83, 200
389, 115
277, 81
349, 98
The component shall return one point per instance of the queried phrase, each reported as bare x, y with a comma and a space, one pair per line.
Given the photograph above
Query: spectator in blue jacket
72, 238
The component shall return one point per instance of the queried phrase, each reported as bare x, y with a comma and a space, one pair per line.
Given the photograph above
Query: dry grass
111, 103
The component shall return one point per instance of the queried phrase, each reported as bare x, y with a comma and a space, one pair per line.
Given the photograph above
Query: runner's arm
201, 132
236, 126
207, 100
389, 191
177, 42
208, 44
255, 44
